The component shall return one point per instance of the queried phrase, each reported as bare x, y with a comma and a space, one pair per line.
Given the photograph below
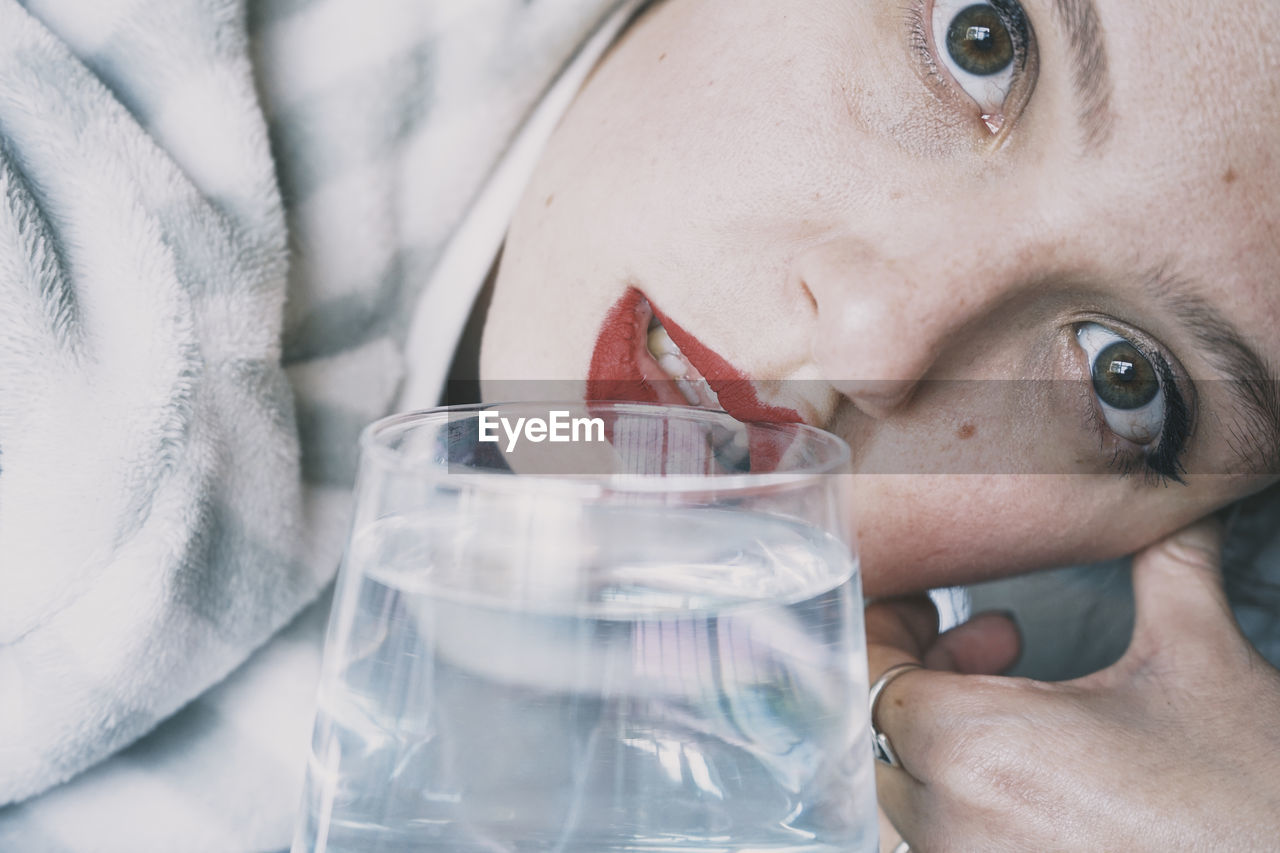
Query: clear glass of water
646, 636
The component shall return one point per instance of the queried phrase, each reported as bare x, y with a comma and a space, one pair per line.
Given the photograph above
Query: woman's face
991, 247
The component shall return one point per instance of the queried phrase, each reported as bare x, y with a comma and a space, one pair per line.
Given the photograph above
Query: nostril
808, 294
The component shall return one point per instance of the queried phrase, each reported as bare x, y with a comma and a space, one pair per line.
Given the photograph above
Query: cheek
916, 531
921, 531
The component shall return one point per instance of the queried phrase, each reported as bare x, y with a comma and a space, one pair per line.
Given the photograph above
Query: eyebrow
1249, 377
1079, 18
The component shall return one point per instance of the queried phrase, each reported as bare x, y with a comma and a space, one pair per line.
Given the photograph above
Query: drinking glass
639, 632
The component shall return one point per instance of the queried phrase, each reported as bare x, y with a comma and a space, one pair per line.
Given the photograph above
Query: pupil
979, 42
1123, 378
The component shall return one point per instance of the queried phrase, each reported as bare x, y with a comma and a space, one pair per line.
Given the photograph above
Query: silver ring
880, 746
902, 847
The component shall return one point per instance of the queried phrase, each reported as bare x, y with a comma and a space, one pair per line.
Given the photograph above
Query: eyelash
920, 42
1163, 463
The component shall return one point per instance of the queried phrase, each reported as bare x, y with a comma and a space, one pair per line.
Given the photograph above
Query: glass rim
374, 447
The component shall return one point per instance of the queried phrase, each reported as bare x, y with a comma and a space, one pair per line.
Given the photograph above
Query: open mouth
695, 388
643, 355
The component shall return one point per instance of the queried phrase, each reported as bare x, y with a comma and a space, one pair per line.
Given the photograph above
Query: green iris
979, 42
1123, 378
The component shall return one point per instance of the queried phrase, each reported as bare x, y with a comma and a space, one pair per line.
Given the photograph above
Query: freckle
1229, 176
550, 199
898, 703
664, 56
966, 431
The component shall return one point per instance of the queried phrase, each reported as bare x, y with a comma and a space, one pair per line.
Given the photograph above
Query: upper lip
737, 394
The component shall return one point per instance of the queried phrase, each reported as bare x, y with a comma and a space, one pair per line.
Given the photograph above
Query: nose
886, 315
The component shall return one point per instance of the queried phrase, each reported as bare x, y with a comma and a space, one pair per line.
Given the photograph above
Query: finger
987, 644
912, 708
889, 836
909, 624
1177, 589
899, 630
902, 806
910, 712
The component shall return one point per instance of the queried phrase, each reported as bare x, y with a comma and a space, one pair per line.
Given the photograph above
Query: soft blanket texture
215, 221
150, 457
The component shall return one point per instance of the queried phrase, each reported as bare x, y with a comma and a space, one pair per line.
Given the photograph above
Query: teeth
689, 390
696, 390
673, 365
673, 362
660, 342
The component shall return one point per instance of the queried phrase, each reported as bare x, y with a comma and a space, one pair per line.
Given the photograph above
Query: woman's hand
1175, 747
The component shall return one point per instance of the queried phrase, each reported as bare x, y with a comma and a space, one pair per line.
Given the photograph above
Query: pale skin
795, 186
1172, 748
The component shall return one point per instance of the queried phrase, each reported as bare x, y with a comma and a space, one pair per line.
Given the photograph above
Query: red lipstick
622, 368
733, 389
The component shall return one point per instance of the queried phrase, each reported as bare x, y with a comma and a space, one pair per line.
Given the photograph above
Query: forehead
1208, 66
1195, 133
1196, 82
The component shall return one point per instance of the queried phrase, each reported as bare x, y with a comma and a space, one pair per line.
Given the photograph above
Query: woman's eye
984, 47
1128, 386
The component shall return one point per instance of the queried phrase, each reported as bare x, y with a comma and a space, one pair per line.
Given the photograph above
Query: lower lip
622, 368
